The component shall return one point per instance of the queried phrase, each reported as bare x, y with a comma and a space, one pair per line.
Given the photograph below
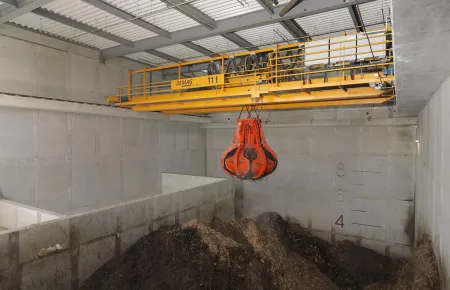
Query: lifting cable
367, 36
370, 44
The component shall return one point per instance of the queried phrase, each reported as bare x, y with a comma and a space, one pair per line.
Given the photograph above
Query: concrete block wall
175, 182
89, 240
342, 174
36, 65
15, 215
73, 162
433, 178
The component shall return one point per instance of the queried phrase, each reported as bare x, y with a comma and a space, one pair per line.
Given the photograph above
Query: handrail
277, 68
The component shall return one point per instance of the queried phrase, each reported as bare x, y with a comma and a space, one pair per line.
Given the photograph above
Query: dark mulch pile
262, 253
421, 272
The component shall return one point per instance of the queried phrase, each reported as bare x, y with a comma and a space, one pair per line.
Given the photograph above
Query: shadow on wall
410, 225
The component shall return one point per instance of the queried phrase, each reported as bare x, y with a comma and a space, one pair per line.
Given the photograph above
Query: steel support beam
291, 106
162, 55
242, 22
356, 18
199, 48
295, 30
266, 5
291, 5
244, 90
192, 12
146, 64
239, 41
83, 27
270, 99
127, 16
22, 7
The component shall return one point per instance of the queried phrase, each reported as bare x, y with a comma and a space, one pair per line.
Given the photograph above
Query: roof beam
242, 22
86, 28
291, 5
192, 12
295, 29
266, 5
199, 48
162, 55
356, 18
22, 7
239, 41
127, 16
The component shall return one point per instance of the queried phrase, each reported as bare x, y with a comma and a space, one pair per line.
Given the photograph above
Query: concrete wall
15, 215
72, 162
433, 178
176, 182
91, 239
358, 164
35, 65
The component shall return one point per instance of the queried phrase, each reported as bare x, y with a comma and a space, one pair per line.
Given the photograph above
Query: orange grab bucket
249, 157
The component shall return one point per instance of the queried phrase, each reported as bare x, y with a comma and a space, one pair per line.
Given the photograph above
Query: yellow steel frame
270, 87
289, 106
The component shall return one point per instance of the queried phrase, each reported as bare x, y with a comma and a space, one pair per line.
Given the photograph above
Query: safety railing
345, 56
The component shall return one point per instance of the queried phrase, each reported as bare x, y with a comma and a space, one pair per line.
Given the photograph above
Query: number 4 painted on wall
340, 221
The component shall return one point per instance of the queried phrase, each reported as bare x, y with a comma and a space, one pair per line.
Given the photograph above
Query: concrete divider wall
433, 178
176, 182
14, 215
89, 240
74, 162
343, 174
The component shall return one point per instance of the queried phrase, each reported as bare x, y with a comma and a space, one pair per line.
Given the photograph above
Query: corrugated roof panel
155, 12
197, 58
92, 16
130, 31
334, 34
149, 58
327, 22
219, 10
266, 35
96, 41
36, 22
283, 2
375, 12
217, 44
181, 52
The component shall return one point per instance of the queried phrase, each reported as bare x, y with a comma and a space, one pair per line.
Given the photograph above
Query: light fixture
417, 140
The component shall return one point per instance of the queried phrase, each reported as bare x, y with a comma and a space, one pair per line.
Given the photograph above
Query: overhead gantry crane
352, 69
